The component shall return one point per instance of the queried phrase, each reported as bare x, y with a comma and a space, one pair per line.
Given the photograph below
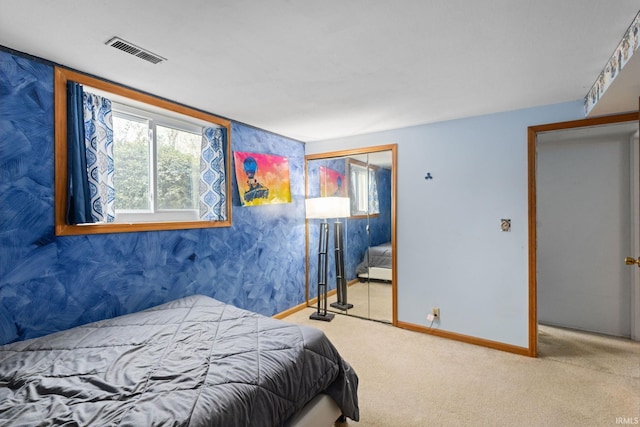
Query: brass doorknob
631, 261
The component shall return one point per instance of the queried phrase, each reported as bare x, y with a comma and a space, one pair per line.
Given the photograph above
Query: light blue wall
49, 283
451, 252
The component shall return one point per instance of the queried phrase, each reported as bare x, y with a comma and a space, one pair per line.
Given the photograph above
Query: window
361, 189
364, 189
157, 163
156, 157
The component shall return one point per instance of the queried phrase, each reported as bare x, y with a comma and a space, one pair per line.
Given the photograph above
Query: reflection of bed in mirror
376, 263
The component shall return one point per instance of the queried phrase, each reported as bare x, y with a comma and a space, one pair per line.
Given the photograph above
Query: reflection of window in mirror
169, 164
363, 189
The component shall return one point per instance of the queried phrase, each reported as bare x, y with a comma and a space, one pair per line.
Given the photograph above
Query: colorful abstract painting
332, 183
263, 179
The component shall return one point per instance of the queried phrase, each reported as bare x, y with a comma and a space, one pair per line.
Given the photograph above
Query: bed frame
377, 273
321, 411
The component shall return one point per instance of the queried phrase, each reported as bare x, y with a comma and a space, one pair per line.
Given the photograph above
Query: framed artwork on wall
263, 179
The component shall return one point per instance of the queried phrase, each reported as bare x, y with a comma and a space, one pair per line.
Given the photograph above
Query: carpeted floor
412, 379
611, 355
371, 300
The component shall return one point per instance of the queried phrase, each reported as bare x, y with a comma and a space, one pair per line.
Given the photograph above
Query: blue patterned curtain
374, 205
213, 186
353, 196
98, 139
78, 193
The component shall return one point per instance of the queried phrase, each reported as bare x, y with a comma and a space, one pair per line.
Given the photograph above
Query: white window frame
154, 214
361, 187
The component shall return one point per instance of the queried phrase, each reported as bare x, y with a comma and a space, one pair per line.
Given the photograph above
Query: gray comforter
193, 361
375, 256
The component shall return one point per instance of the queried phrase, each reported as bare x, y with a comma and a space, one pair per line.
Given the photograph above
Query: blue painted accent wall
50, 283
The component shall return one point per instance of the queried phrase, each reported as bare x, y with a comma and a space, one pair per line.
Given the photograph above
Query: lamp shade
327, 207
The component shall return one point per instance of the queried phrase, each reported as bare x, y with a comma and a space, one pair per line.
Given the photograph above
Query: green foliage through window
174, 175
177, 179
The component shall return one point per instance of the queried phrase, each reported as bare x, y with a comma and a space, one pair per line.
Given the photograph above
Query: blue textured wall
50, 283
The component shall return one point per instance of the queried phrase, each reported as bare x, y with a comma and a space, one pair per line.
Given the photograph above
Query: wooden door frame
635, 234
533, 132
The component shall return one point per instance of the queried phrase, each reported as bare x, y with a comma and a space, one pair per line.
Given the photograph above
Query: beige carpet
372, 300
615, 356
413, 379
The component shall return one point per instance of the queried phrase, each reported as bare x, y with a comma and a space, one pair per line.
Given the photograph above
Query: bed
376, 263
194, 361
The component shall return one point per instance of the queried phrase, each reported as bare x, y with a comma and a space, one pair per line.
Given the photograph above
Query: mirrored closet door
360, 274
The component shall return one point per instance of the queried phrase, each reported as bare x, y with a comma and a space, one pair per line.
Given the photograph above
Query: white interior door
585, 229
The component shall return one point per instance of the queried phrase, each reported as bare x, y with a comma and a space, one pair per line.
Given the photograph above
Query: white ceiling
314, 70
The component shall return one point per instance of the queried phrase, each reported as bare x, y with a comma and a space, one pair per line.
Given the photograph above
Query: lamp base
341, 306
327, 317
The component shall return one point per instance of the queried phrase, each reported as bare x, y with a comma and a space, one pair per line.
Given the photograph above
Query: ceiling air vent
134, 50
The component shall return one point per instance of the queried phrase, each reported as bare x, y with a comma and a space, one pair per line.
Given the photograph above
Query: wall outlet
436, 312
430, 317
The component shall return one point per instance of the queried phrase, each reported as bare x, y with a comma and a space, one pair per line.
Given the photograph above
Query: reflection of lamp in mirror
342, 211
323, 208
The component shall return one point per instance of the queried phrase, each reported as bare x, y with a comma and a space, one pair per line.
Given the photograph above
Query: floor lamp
323, 208
342, 211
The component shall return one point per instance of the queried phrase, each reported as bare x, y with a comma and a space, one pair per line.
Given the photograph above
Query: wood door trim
533, 132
